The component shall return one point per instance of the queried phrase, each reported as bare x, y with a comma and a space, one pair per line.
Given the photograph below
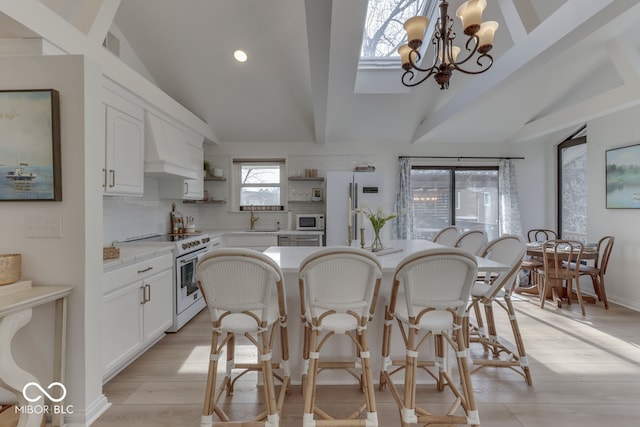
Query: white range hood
167, 152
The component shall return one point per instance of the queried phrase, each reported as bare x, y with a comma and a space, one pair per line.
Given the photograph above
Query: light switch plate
43, 226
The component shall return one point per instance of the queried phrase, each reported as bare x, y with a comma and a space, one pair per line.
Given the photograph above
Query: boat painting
30, 146
20, 174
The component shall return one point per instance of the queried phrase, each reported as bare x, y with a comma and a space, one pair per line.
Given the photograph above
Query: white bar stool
338, 290
244, 292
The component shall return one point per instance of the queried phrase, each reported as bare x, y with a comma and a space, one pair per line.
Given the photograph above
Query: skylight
379, 68
383, 33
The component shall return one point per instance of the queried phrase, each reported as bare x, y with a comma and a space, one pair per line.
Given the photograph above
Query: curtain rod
461, 157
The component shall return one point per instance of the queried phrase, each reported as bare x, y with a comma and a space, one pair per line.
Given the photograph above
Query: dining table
289, 259
534, 250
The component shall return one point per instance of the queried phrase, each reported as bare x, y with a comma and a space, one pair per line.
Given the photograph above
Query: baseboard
88, 417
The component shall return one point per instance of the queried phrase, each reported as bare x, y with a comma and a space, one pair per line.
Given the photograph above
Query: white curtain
403, 225
510, 222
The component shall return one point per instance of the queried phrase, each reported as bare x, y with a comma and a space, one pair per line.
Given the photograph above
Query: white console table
15, 312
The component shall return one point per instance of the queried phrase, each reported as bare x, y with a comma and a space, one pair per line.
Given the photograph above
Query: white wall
75, 258
345, 156
613, 131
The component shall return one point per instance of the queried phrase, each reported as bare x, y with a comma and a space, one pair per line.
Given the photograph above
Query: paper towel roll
290, 220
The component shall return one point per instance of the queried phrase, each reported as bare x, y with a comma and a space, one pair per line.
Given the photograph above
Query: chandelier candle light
445, 61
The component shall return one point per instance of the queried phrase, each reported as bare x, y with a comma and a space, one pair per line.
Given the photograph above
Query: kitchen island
289, 259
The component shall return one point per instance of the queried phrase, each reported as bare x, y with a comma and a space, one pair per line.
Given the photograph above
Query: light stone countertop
131, 254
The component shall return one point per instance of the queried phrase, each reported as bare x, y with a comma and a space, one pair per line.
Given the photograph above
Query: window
472, 190
383, 29
572, 189
258, 182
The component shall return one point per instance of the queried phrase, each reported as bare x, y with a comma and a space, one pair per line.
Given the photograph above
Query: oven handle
194, 256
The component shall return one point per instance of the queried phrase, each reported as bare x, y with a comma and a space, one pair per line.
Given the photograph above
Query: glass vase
376, 245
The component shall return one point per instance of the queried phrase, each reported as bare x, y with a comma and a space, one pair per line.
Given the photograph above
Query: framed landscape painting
30, 145
623, 177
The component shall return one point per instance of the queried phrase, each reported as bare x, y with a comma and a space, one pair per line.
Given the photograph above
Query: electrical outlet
43, 226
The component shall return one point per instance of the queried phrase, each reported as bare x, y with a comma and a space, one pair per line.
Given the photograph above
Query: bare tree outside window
383, 31
260, 184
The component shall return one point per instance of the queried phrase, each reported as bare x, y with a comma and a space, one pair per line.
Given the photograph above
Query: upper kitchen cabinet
124, 156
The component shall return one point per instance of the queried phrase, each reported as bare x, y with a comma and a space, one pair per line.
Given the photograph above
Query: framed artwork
30, 145
316, 194
623, 177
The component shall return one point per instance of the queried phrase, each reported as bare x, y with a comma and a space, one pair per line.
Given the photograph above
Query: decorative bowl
10, 268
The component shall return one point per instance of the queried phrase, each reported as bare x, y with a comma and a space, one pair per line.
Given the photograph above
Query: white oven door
187, 291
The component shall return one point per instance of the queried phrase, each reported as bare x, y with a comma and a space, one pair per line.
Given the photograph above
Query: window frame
568, 143
454, 194
237, 186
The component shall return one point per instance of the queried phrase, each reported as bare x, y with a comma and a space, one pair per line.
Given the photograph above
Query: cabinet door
124, 170
158, 308
194, 188
121, 326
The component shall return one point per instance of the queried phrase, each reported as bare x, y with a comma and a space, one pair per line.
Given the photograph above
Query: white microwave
310, 222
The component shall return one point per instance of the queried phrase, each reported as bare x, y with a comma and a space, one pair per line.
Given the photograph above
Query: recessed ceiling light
240, 55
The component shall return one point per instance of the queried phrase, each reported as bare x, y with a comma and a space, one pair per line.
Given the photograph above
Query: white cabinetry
185, 189
124, 142
137, 310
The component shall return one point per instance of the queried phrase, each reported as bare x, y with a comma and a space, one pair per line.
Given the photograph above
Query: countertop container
10, 268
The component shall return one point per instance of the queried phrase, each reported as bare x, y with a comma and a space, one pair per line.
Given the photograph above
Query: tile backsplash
126, 217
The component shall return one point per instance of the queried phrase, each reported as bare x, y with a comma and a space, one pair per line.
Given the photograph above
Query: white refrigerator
346, 192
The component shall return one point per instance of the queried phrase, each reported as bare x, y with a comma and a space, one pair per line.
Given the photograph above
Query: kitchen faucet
253, 218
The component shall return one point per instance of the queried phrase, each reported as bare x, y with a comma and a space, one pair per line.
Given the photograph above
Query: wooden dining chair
541, 235
599, 269
429, 295
472, 241
338, 292
531, 264
245, 295
448, 236
557, 257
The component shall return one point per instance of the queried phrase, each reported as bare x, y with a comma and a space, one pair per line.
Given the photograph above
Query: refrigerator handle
356, 205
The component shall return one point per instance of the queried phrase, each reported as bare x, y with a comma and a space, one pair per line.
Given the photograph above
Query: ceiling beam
618, 99
515, 26
102, 20
559, 31
626, 59
318, 15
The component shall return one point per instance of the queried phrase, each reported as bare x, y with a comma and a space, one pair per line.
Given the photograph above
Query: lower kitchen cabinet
137, 310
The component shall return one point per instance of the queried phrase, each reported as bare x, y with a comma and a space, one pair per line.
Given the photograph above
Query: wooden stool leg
411, 364
311, 380
515, 328
464, 361
367, 378
386, 346
209, 397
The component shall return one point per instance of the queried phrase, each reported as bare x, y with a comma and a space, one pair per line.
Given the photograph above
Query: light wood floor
586, 372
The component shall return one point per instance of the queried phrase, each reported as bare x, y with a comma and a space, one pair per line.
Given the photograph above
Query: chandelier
446, 56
